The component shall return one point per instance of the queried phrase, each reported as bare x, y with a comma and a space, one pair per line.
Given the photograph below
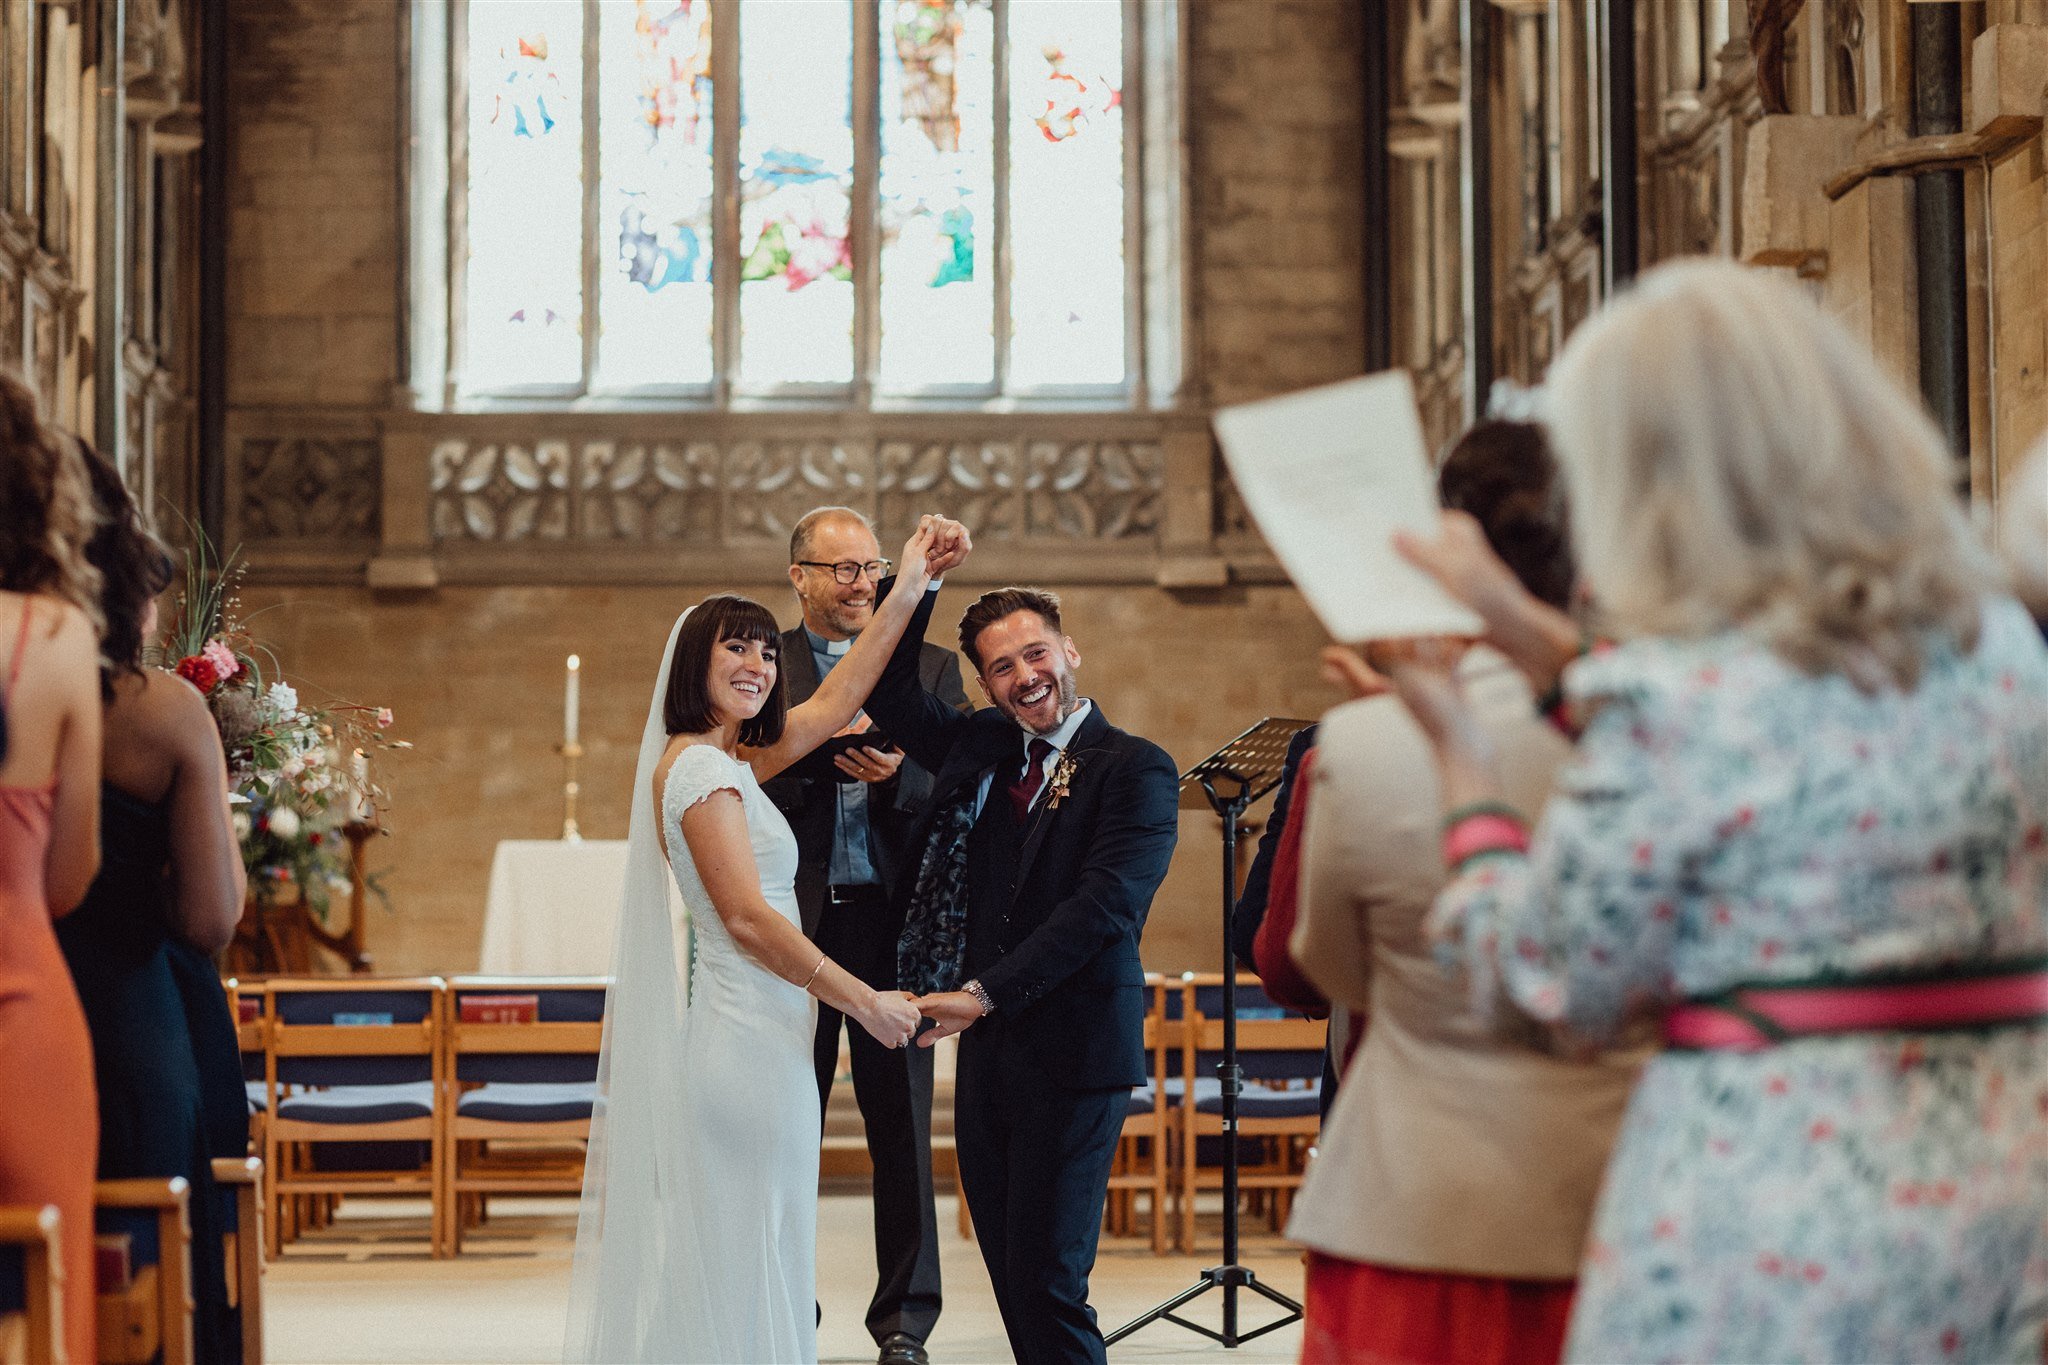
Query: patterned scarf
931, 955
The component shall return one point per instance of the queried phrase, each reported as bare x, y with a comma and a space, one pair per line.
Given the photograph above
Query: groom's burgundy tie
1025, 789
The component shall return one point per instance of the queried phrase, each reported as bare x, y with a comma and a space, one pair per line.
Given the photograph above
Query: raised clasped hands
937, 545
951, 1012
893, 1018
951, 544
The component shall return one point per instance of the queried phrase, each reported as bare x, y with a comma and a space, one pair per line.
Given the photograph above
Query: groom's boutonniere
1062, 776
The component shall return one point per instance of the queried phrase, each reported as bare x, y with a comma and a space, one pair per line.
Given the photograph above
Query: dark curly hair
1504, 475
45, 507
134, 566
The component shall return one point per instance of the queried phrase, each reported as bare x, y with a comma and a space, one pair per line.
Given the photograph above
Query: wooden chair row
144, 1302
447, 1089
1162, 1152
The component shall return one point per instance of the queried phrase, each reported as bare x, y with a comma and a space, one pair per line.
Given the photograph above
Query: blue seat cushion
360, 1103
508, 1102
1258, 1101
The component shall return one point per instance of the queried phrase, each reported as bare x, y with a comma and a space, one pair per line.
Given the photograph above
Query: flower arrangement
297, 773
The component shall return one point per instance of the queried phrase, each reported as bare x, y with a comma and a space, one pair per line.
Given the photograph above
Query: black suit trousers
1034, 1163
893, 1087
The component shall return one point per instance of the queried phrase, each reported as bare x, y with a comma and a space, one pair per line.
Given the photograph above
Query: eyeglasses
846, 571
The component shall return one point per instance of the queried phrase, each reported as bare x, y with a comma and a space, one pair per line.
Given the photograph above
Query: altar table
553, 907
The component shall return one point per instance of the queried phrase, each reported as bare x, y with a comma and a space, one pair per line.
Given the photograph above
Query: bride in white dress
697, 1238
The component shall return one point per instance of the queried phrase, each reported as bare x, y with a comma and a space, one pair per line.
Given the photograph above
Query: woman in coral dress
49, 849
49, 837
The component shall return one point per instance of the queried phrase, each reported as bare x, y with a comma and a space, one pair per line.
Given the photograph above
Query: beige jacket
1450, 1148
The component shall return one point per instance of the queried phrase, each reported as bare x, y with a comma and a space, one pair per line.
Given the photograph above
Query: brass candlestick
570, 789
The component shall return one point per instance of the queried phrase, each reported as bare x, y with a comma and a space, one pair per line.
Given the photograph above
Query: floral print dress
1729, 820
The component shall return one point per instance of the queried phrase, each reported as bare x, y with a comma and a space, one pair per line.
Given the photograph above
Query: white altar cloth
553, 907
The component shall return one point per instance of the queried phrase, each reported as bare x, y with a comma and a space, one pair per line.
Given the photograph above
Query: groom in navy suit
1047, 833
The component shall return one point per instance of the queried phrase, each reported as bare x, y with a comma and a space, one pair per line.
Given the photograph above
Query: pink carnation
225, 664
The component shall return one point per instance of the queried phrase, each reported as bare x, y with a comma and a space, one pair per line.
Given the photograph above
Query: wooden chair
521, 1070
145, 1292
1280, 1107
249, 1001
1142, 1156
351, 1061
239, 1185
31, 1285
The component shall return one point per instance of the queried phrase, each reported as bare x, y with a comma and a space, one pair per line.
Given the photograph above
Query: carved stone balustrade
411, 501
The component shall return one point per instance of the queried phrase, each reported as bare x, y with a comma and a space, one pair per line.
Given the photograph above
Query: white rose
284, 822
241, 823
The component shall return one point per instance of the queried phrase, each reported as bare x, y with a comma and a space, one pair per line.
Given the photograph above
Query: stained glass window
796, 185
523, 298
912, 197
938, 194
1066, 193
657, 196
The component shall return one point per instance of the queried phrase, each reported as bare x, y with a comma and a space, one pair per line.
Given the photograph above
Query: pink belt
1751, 1018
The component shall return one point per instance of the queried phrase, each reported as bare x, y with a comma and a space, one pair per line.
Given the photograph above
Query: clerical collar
1062, 737
821, 645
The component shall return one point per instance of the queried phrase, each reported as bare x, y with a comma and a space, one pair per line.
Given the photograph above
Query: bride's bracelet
823, 958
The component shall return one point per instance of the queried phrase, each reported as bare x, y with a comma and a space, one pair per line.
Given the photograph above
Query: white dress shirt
1059, 739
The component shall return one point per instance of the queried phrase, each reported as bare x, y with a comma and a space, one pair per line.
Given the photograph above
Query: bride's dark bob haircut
687, 709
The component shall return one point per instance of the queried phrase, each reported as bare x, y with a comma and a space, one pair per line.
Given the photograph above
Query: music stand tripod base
1228, 782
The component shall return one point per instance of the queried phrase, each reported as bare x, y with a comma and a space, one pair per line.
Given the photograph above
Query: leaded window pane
796, 186
1066, 193
938, 194
523, 300
658, 194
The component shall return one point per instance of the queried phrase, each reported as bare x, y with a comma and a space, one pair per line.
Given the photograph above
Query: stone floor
364, 1290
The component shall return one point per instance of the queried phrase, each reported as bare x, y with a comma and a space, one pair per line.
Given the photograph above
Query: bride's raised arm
938, 544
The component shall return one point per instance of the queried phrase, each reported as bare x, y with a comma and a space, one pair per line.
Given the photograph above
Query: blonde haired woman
1805, 822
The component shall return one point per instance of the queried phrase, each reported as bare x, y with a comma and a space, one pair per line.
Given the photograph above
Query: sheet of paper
1329, 474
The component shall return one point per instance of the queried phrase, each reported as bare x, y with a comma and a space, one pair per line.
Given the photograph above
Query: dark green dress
164, 1050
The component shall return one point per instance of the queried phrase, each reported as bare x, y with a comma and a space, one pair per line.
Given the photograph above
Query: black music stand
1228, 782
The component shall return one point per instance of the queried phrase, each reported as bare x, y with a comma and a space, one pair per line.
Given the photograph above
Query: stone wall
313, 257
1275, 138
475, 673
475, 678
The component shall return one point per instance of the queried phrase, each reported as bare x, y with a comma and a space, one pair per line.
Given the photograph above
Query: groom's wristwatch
981, 996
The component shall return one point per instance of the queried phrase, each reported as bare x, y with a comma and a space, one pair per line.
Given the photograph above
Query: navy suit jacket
1064, 971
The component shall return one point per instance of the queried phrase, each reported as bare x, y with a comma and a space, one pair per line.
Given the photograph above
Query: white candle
571, 702
366, 809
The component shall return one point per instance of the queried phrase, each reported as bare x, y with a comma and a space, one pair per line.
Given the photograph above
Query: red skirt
1364, 1314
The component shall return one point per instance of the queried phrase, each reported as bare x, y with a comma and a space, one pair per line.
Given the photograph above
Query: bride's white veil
623, 1299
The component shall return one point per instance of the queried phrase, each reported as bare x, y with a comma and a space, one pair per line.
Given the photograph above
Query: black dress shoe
901, 1348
